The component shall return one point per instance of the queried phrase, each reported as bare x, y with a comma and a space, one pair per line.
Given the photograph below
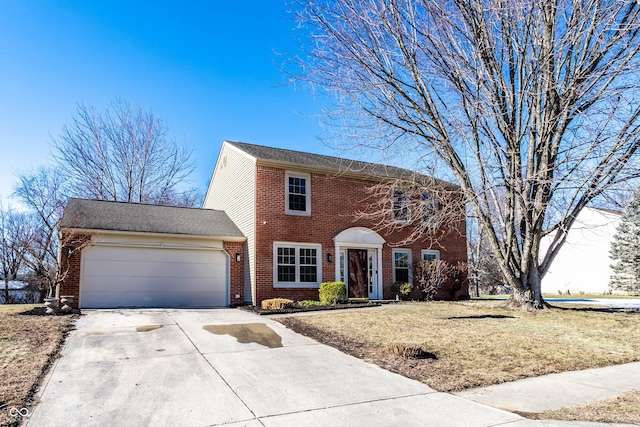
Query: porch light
329, 258
238, 257
69, 251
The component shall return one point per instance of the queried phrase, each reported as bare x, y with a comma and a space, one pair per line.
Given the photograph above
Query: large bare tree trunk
529, 105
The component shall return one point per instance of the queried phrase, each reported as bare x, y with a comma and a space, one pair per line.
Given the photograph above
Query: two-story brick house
275, 223
299, 213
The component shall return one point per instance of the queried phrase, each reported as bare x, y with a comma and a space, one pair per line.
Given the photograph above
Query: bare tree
124, 154
43, 191
531, 105
14, 242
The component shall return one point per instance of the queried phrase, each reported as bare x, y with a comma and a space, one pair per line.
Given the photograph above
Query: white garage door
116, 276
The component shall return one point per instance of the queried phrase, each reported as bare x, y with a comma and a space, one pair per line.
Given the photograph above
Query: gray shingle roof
329, 163
134, 217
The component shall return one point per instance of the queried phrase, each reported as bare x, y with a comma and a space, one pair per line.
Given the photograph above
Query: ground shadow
482, 316
604, 309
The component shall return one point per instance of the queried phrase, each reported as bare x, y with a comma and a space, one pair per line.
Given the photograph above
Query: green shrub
402, 289
332, 292
276, 303
311, 303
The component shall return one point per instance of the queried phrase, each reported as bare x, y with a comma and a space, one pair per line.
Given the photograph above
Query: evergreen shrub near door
402, 289
332, 292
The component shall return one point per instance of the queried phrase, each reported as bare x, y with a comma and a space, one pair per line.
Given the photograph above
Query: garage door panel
150, 285
152, 269
153, 277
159, 299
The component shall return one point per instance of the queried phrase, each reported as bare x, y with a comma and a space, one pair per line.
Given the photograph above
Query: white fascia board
149, 234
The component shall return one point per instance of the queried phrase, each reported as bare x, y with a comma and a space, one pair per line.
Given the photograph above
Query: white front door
373, 274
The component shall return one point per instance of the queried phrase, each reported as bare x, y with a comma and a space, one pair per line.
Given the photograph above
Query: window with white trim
297, 193
428, 209
402, 265
432, 255
400, 211
297, 265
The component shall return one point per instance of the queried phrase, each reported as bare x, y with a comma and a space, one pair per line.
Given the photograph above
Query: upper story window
297, 193
429, 209
400, 211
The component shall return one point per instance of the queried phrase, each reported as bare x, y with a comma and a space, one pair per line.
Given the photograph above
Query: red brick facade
236, 272
70, 265
334, 201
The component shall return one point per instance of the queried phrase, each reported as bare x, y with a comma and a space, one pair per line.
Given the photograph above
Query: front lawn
474, 344
29, 343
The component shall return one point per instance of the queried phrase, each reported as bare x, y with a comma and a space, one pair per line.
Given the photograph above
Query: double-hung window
429, 209
431, 257
400, 211
402, 265
297, 265
297, 193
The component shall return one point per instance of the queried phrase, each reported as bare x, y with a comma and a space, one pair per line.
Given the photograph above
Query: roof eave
152, 234
337, 172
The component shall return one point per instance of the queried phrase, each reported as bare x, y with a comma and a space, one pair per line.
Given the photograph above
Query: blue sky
208, 68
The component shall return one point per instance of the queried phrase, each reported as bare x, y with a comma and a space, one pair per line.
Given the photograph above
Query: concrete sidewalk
557, 391
225, 366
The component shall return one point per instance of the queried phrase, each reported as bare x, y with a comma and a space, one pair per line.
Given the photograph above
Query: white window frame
435, 252
424, 252
307, 178
405, 205
429, 203
297, 283
407, 251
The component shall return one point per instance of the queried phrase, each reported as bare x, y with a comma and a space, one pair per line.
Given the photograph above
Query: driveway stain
246, 333
148, 328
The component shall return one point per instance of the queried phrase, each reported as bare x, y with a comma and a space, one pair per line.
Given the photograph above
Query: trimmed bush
332, 292
402, 289
311, 303
276, 303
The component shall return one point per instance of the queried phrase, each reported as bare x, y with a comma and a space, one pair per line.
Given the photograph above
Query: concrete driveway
224, 366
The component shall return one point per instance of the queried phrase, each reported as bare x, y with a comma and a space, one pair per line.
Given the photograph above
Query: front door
358, 273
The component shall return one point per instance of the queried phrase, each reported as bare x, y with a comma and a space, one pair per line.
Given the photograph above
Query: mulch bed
290, 310
42, 311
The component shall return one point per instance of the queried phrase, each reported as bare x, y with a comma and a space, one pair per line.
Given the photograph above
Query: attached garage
134, 255
119, 276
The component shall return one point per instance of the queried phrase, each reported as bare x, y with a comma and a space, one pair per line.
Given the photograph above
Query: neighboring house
275, 223
299, 214
583, 262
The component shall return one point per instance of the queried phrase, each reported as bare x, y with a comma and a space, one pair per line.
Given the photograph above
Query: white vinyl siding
233, 190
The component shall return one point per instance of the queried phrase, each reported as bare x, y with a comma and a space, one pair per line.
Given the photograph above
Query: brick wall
70, 266
236, 272
334, 201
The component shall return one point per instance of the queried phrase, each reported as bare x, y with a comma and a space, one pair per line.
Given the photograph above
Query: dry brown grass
478, 344
623, 409
28, 345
